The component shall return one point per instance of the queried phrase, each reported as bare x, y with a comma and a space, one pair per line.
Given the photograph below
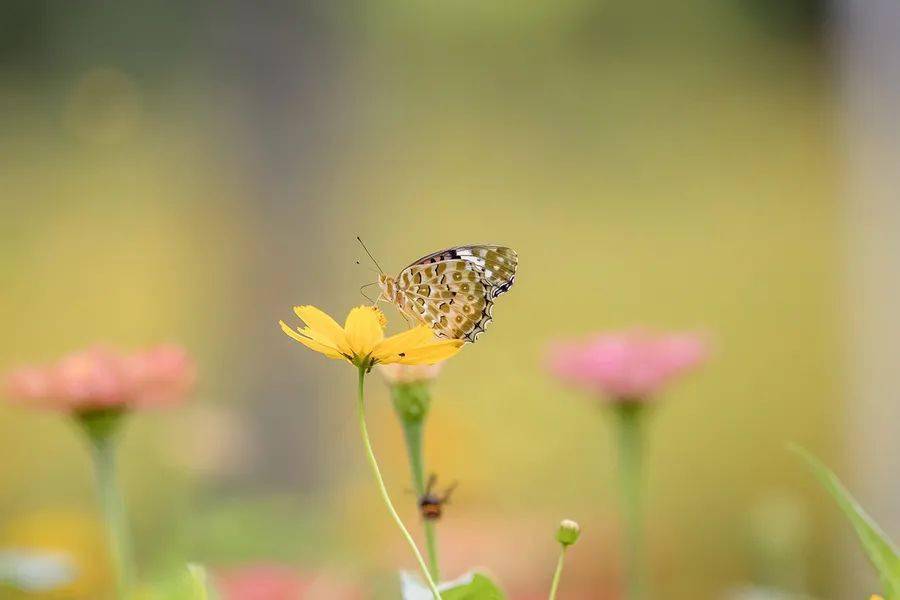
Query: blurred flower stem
557, 575
102, 427
629, 416
376, 471
412, 402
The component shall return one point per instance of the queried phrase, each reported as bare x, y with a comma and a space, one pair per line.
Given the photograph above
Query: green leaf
201, 589
471, 586
881, 551
479, 588
191, 583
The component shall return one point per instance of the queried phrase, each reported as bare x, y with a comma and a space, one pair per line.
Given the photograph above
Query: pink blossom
631, 365
276, 582
100, 377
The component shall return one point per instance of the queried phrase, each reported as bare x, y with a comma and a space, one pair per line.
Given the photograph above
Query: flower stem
373, 463
410, 396
558, 574
630, 475
102, 428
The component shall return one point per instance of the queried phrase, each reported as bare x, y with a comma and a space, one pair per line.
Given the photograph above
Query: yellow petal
402, 342
432, 353
319, 337
319, 321
364, 330
318, 346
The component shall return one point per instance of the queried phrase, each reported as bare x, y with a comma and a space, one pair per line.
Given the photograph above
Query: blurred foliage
878, 546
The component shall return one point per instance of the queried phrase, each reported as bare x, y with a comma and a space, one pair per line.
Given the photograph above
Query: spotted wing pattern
453, 291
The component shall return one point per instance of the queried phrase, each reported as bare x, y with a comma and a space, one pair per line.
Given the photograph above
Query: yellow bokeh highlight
78, 536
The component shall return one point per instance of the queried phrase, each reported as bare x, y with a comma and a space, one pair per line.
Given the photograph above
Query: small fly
431, 504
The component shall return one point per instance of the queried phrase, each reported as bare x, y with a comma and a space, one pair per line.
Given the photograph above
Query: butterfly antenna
380, 270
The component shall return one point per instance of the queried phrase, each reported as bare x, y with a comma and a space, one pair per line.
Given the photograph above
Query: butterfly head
388, 287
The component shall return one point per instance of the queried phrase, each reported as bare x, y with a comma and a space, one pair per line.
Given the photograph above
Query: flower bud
411, 401
410, 389
568, 532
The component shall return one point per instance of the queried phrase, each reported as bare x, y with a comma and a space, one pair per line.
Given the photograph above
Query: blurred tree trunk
278, 64
869, 65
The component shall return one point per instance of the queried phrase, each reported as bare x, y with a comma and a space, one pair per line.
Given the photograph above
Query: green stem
630, 475
413, 425
431, 548
558, 574
373, 463
102, 428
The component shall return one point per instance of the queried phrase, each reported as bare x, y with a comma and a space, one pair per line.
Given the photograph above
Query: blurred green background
189, 171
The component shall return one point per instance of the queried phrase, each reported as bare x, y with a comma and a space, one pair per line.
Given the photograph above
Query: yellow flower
361, 340
874, 597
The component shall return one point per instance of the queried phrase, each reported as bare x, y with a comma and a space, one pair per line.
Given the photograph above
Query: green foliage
881, 551
240, 530
471, 586
201, 588
479, 588
192, 583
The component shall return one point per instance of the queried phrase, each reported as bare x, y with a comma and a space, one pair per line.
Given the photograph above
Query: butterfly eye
457, 277
464, 287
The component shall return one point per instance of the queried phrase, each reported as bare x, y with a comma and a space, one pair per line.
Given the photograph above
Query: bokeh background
189, 171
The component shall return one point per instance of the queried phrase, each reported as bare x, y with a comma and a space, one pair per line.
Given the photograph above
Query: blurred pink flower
277, 582
630, 365
260, 582
99, 377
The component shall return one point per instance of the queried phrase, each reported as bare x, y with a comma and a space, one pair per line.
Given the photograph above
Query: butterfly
453, 291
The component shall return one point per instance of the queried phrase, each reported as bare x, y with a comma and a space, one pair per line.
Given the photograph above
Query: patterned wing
453, 291
496, 264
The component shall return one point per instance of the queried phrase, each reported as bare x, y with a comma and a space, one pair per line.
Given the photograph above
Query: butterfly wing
453, 291
497, 264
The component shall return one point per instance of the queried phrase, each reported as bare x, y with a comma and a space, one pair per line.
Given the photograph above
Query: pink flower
631, 365
276, 582
100, 377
